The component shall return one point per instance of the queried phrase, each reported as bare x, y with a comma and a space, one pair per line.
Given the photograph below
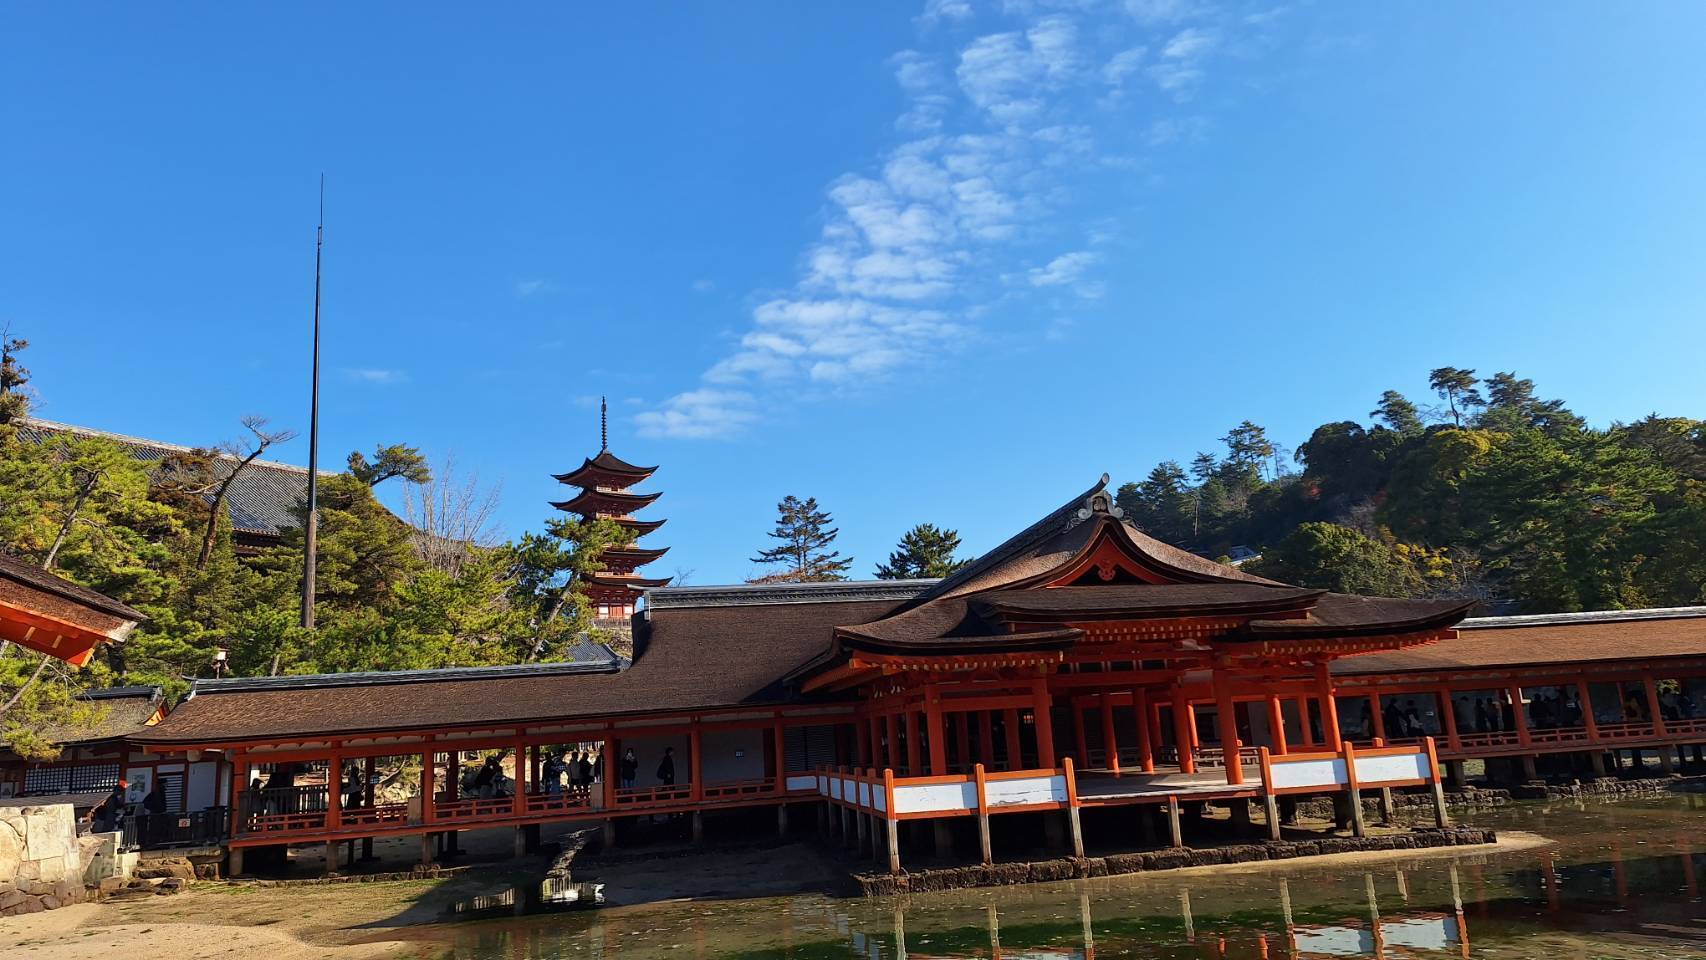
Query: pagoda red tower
604, 483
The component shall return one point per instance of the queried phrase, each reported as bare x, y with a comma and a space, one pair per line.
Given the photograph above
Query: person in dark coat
630, 768
666, 767
108, 815
583, 771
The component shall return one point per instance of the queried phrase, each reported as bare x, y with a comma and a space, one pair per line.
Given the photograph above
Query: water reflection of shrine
1403, 933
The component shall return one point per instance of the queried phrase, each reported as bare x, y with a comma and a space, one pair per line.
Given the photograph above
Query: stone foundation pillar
1528, 770
1054, 832
1596, 760
1240, 811
234, 862
782, 820
331, 858
942, 837
698, 821
607, 834
1455, 774
426, 849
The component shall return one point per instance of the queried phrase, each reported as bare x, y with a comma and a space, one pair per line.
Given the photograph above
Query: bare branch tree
242, 453
451, 515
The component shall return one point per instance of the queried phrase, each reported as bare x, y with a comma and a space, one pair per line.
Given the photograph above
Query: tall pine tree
805, 534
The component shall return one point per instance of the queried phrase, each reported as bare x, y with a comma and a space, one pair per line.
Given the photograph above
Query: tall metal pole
311, 541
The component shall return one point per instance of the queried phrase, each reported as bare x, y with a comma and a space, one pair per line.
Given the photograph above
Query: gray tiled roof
262, 499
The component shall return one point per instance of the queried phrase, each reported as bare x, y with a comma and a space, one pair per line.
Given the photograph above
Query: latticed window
808, 748
80, 778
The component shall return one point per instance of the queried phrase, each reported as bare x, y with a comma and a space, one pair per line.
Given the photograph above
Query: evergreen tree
925, 551
1163, 505
1326, 556
396, 460
549, 572
1458, 389
14, 405
1512, 406
1397, 413
804, 550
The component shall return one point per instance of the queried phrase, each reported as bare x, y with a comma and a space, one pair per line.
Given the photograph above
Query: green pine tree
925, 552
805, 534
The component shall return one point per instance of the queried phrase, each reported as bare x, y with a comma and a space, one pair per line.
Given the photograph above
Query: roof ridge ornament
1100, 501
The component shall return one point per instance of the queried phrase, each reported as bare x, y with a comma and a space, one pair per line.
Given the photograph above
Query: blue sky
939, 262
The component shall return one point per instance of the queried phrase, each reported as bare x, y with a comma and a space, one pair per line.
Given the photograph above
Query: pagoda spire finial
603, 426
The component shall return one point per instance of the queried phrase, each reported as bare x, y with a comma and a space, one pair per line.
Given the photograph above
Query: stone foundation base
1005, 874
1610, 788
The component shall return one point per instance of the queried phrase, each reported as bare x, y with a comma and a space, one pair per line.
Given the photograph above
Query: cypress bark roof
35, 578
686, 658
263, 499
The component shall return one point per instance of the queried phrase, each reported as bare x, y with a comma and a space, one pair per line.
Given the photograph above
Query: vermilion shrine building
1081, 664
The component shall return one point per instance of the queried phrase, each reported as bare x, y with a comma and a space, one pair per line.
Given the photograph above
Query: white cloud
704, 285
998, 127
936, 11
1009, 74
1064, 269
374, 375
1151, 12
527, 288
699, 414
1189, 44
1122, 65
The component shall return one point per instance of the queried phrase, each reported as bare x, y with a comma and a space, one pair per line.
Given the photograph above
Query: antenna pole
310, 546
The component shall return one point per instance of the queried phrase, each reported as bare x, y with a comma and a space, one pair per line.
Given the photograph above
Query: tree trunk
25, 686
210, 534
83, 494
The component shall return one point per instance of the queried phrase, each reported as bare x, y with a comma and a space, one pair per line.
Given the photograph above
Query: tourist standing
630, 768
666, 767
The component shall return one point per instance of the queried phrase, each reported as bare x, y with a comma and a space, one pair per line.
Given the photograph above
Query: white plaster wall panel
935, 797
1028, 790
1289, 774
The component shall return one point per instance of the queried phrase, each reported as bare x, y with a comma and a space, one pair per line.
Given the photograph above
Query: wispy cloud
374, 375
528, 288
1068, 268
1007, 108
699, 414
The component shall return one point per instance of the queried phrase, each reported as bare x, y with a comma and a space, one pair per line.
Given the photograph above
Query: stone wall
1004, 874
41, 860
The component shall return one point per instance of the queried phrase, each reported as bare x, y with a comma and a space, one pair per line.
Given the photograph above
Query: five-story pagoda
604, 483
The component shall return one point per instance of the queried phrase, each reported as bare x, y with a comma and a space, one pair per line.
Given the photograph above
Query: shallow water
1618, 880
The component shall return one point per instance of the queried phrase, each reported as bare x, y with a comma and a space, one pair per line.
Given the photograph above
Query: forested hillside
1494, 494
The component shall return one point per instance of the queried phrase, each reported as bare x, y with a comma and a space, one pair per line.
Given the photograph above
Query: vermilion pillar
986, 738
1329, 707
1653, 704
1045, 723
936, 730
1108, 736
1448, 717
1228, 718
1145, 744
1588, 719
1182, 733
1519, 716
1276, 724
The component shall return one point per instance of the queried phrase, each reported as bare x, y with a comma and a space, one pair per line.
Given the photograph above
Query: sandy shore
219, 921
